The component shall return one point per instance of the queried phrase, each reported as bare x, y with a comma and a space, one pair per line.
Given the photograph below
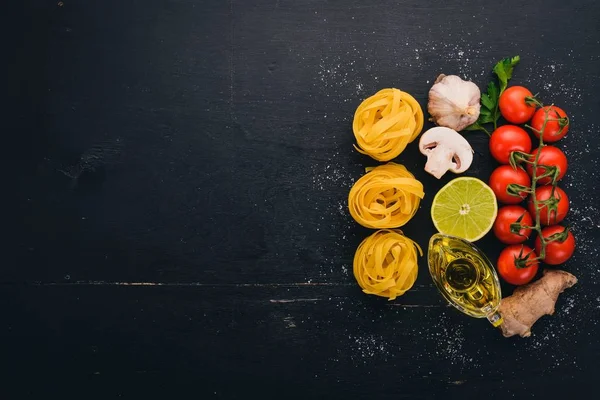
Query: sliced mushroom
446, 150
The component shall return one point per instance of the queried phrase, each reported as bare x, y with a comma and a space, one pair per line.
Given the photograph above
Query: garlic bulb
454, 103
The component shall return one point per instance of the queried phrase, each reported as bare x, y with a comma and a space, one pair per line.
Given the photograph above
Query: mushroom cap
446, 150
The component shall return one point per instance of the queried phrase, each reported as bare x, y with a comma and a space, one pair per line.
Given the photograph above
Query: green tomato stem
534, 180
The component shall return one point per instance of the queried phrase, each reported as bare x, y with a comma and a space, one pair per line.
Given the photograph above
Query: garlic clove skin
453, 102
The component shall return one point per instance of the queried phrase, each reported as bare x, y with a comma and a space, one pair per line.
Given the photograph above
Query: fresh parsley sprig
489, 112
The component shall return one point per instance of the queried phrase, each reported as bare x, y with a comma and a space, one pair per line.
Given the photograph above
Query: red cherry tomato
555, 213
508, 138
513, 105
557, 252
503, 176
516, 264
555, 129
508, 215
550, 156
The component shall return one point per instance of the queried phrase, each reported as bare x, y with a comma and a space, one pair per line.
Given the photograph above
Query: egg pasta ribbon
385, 263
386, 122
387, 196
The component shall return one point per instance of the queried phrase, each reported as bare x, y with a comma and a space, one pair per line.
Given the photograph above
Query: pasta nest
386, 122
387, 196
385, 263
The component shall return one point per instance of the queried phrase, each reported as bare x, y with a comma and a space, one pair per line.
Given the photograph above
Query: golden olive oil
465, 277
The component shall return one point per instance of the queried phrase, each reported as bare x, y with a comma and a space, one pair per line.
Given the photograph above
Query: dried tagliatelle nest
385, 264
387, 196
386, 122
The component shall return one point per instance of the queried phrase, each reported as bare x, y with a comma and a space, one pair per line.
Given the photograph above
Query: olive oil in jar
465, 277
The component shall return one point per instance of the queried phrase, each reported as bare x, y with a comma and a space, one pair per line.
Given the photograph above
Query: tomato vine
517, 159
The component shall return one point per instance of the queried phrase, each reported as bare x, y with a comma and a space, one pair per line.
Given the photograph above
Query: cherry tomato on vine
555, 129
513, 105
516, 264
508, 138
557, 251
503, 176
508, 215
553, 213
550, 156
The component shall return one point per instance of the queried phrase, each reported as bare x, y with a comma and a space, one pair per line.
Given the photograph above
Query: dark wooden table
178, 173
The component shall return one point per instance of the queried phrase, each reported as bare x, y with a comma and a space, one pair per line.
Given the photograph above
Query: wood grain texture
178, 179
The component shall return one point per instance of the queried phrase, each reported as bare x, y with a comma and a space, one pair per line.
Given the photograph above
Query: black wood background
178, 173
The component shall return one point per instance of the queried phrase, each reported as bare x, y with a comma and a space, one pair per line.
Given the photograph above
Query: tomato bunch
531, 199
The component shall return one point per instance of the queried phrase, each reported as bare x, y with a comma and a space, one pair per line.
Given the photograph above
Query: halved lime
466, 207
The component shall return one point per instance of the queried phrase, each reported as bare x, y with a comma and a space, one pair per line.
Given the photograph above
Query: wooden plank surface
178, 179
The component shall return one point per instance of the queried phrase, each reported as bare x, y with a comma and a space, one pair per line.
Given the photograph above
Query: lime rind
465, 207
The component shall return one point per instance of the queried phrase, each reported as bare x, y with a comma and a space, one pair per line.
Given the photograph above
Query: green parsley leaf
476, 127
485, 117
504, 70
489, 112
489, 99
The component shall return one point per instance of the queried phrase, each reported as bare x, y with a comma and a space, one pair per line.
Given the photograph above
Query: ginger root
530, 302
